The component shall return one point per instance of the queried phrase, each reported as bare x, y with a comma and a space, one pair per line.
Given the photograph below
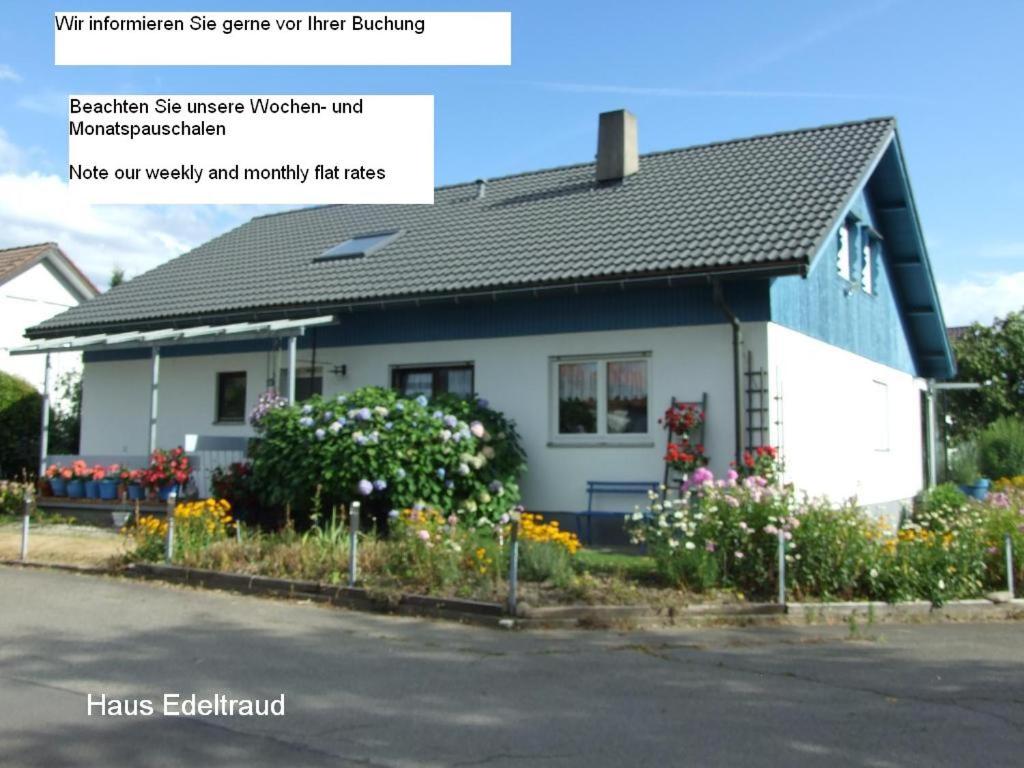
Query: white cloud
38, 207
982, 297
6, 73
1005, 250
53, 103
10, 156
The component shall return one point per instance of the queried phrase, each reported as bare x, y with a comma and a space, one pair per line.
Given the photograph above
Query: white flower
874, 573
690, 545
673, 543
942, 584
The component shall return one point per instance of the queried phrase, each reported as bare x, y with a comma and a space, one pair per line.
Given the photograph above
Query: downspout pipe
737, 364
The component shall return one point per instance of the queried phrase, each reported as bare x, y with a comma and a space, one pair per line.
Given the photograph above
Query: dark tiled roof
765, 202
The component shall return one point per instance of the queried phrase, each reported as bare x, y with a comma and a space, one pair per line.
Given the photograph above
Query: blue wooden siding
524, 315
828, 307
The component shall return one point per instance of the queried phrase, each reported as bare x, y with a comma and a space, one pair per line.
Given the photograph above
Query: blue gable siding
525, 315
827, 307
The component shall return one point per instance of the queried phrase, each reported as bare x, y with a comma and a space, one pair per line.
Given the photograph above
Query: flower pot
58, 486
165, 492
120, 519
92, 489
108, 489
76, 489
978, 490
136, 492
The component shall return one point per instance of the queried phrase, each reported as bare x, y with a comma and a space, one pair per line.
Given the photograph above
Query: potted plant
963, 470
80, 473
110, 482
92, 484
168, 471
58, 477
133, 480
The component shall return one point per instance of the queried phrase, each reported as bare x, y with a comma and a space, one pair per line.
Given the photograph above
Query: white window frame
868, 271
843, 260
601, 437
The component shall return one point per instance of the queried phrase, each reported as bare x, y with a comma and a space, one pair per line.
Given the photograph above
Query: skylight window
361, 245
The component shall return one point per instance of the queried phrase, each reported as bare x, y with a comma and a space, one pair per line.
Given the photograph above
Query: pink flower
424, 534
702, 475
709, 545
731, 476
477, 429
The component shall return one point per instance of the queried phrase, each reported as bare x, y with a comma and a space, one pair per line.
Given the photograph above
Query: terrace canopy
164, 337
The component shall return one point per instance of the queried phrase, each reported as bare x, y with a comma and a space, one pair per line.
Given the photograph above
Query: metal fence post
353, 543
25, 523
1009, 565
513, 566
172, 500
782, 567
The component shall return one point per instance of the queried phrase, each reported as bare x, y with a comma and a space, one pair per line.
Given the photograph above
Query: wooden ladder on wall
673, 478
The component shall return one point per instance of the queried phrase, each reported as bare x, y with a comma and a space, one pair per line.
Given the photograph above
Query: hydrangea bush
391, 452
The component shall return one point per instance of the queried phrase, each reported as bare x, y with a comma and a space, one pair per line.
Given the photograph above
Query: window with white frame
843, 255
601, 398
867, 270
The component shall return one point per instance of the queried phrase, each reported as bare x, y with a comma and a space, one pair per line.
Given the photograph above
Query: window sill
228, 422
599, 444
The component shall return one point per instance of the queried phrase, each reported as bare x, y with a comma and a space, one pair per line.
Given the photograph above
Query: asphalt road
380, 691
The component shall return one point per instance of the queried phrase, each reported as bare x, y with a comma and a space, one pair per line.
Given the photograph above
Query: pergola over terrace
290, 329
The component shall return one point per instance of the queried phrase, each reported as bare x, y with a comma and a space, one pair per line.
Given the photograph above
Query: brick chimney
617, 155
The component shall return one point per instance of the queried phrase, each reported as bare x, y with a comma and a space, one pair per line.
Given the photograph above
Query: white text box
307, 38
270, 149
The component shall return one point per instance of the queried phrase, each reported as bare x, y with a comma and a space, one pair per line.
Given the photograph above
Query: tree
66, 419
20, 405
116, 277
992, 356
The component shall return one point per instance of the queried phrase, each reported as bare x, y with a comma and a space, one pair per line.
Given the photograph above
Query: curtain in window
577, 398
627, 397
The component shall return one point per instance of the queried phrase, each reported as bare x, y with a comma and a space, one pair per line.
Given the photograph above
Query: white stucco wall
513, 373
25, 300
833, 424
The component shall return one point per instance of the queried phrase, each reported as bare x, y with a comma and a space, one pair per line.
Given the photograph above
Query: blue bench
603, 487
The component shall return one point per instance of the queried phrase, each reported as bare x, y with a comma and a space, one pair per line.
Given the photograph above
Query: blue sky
692, 72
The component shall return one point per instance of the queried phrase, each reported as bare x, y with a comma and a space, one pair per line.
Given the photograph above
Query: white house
36, 283
784, 276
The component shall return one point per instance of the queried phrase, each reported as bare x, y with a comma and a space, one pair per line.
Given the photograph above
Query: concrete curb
620, 617
357, 598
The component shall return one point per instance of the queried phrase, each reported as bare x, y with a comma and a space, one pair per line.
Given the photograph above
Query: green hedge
20, 404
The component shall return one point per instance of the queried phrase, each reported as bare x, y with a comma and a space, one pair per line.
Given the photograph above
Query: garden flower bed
950, 549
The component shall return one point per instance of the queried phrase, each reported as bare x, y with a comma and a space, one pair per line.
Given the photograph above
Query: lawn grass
597, 561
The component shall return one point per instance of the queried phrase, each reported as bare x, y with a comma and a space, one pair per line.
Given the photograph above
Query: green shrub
389, 452
836, 550
545, 561
1001, 448
964, 464
20, 406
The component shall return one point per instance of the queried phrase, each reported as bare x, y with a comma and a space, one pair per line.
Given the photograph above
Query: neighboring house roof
957, 332
15, 261
757, 206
